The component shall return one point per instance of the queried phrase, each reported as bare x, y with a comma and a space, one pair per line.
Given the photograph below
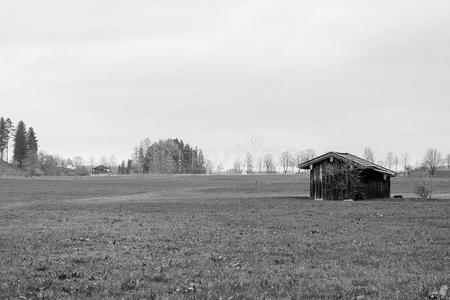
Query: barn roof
101, 167
362, 163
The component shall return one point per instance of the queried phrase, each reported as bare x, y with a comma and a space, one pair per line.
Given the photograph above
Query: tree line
174, 156
268, 163
170, 156
431, 161
288, 162
23, 143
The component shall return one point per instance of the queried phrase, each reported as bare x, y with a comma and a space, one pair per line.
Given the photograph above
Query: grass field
228, 237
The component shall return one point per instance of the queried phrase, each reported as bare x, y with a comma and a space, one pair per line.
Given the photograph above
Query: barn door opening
318, 180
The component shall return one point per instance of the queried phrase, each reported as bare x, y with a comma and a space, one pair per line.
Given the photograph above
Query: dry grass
212, 237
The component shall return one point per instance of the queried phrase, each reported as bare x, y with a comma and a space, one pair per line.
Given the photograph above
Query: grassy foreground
229, 237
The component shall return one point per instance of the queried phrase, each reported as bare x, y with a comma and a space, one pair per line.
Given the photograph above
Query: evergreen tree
20, 144
129, 166
122, 167
32, 142
195, 161
187, 159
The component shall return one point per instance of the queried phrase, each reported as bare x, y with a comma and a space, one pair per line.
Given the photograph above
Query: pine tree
195, 169
122, 168
32, 142
129, 166
187, 159
20, 144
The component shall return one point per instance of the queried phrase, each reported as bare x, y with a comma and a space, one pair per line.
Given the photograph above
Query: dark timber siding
376, 185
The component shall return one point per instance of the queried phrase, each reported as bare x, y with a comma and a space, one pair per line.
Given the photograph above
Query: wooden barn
339, 176
101, 170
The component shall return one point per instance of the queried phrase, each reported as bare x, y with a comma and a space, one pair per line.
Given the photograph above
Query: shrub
345, 181
359, 194
423, 190
83, 171
33, 172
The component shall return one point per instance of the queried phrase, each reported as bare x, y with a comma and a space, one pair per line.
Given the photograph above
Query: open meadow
219, 237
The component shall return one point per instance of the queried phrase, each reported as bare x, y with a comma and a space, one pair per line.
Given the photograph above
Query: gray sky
95, 77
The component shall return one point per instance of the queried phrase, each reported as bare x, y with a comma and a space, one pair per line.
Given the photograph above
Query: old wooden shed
338, 176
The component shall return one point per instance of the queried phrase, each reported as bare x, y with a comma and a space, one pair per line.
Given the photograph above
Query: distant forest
171, 156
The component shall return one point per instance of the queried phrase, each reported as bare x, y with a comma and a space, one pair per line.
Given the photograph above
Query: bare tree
292, 164
405, 160
285, 161
104, 161
249, 163
260, 164
237, 167
302, 156
408, 170
112, 162
368, 155
91, 162
309, 154
219, 168
268, 163
77, 161
61, 162
432, 160
396, 162
209, 165
389, 160
12, 132
299, 158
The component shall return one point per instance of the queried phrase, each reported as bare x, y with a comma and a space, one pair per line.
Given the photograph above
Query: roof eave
307, 164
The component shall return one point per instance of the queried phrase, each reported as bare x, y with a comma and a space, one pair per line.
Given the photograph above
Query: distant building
101, 170
339, 176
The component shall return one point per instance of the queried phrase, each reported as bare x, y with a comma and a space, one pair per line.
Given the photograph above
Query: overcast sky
95, 77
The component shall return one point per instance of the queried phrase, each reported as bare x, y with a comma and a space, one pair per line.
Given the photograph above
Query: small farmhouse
339, 176
101, 170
